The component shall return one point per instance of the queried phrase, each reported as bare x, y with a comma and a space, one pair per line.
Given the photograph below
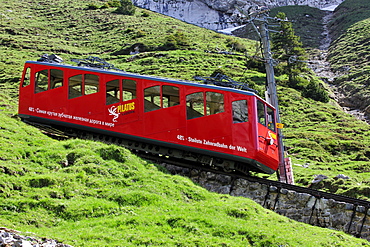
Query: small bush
145, 14
126, 8
316, 91
43, 181
235, 45
140, 33
113, 153
175, 41
92, 6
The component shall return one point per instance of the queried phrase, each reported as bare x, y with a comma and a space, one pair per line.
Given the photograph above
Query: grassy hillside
87, 193
306, 23
347, 14
92, 194
349, 53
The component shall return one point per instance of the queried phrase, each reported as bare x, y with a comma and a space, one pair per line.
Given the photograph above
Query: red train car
223, 127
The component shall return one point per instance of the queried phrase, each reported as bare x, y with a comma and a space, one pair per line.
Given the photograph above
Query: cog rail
157, 153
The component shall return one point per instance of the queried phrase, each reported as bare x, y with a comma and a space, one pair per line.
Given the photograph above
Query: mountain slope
349, 54
92, 194
87, 193
171, 48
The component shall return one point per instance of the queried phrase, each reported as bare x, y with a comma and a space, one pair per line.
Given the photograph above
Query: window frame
259, 111
164, 97
82, 84
243, 116
37, 79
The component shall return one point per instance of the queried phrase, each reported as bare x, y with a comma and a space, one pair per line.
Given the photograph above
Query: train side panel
227, 123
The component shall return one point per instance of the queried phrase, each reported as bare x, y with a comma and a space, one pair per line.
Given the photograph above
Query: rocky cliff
218, 14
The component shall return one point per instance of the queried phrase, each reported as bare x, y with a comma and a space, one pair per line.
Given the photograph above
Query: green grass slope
348, 13
88, 193
349, 54
307, 23
322, 140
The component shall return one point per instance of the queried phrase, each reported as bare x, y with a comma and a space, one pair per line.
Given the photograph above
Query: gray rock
219, 14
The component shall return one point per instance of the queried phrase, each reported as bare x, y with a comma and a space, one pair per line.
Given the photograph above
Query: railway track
170, 156
161, 154
280, 185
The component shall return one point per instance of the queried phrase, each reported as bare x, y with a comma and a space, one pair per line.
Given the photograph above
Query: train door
49, 93
243, 136
163, 118
207, 120
85, 101
267, 136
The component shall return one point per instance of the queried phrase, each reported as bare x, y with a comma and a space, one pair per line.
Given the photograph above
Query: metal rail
147, 154
280, 185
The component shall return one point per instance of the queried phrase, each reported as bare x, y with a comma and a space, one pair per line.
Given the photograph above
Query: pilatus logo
113, 112
124, 109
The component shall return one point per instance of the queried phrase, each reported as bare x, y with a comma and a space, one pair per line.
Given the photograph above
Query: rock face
327, 213
12, 238
217, 14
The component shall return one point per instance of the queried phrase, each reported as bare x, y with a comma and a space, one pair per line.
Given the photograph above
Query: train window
91, 84
240, 111
194, 105
271, 119
152, 98
112, 92
214, 103
75, 86
261, 112
170, 96
27, 77
41, 81
128, 89
56, 78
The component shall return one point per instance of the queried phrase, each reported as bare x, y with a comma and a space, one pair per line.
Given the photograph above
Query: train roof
140, 76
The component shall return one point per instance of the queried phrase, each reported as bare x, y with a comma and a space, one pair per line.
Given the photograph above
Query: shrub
218, 71
126, 8
175, 41
236, 45
316, 91
92, 6
145, 14
140, 33
256, 64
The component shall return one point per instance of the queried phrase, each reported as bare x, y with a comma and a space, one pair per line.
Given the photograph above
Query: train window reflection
112, 92
271, 119
91, 84
152, 99
240, 111
56, 78
128, 89
195, 105
41, 81
215, 103
261, 113
170, 96
75, 86
27, 77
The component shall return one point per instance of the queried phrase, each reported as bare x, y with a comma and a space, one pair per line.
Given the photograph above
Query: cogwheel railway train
226, 128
